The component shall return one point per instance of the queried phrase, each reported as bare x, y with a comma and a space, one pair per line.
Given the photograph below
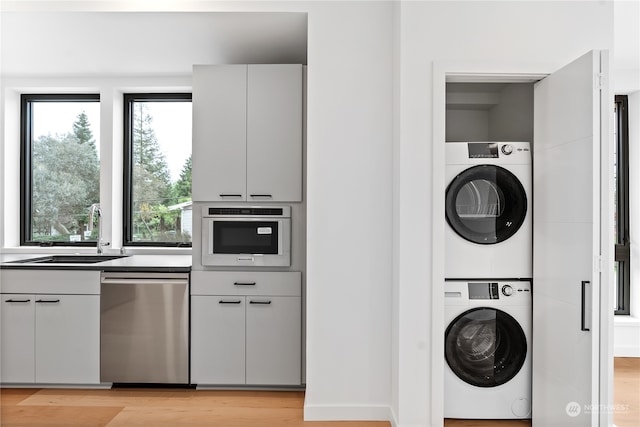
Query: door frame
509, 72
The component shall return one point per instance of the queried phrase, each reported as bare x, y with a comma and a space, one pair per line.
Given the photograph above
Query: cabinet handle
265, 196
231, 195
260, 302
18, 300
48, 301
244, 283
222, 301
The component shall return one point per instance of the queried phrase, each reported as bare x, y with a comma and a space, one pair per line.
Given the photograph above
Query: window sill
128, 250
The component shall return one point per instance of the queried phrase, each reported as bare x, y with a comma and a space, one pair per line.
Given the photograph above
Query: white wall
349, 210
525, 37
626, 52
467, 125
512, 118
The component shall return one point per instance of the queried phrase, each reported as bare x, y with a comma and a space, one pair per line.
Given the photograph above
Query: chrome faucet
94, 210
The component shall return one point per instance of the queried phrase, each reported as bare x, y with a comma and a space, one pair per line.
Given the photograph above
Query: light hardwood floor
190, 408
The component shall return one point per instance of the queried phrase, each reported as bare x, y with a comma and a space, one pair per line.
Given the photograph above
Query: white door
571, 308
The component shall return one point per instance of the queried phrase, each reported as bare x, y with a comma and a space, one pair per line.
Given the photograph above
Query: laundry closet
488, 250
482, 118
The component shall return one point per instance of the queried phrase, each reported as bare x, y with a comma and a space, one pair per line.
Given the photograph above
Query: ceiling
66, 42
99, 43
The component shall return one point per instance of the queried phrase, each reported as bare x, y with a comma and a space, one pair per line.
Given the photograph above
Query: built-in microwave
246, 236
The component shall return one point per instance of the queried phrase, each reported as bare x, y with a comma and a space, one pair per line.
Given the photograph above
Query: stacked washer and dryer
488, 270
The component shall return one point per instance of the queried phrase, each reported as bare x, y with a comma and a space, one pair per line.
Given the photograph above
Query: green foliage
66, 179
182, 187
153, 191
65, 182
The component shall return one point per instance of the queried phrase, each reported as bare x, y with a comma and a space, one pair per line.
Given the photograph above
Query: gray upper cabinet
247, 132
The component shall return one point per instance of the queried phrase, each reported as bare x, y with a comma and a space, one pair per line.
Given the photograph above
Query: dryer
487, 349
488, 210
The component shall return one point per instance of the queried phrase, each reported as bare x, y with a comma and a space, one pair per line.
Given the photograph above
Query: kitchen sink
71, 259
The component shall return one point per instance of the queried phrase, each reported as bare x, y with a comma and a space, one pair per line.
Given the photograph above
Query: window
60, 168
157, 165
621, 220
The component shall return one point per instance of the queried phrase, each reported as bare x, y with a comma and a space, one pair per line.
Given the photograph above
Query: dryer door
486, 204
485, 347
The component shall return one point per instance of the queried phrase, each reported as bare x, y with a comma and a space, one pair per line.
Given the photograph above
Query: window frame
26, 171
622, 246
127, 165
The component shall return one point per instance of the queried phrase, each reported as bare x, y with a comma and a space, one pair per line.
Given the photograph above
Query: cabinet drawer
79, 282
246, 283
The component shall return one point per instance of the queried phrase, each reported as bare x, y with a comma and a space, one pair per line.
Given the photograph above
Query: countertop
130, 263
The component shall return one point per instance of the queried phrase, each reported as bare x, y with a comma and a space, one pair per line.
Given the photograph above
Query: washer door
485, 347
486, 204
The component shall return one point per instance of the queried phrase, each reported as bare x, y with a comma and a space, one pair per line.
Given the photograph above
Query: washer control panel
515, 288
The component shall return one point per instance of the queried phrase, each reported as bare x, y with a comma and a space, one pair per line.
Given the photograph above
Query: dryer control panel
487, 292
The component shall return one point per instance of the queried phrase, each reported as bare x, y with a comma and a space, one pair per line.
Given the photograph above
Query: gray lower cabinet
218, 340
50, 324
250, 332
273, 340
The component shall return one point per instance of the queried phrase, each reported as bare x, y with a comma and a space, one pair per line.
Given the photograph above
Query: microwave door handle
245, 258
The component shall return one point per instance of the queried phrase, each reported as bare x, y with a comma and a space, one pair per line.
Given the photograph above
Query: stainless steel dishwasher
144, 328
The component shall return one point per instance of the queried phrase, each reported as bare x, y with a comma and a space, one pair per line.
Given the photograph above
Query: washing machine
488, 210
487, 345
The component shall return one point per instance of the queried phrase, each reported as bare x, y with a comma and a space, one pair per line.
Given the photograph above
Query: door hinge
599, 81
597, 263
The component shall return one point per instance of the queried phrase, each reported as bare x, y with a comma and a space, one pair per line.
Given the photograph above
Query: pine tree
82, 130
151, 173
183, 185
152, 189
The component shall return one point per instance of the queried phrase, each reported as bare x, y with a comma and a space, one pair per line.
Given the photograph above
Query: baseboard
100, 386
626, 351
348, 413
626, 333
393, 419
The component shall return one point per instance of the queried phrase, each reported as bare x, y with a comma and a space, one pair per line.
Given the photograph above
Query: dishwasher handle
143, 281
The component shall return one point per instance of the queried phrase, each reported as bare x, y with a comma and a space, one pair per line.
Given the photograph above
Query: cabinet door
219, 105
274, 132
67, 339
17, 340
217, 340
273, 340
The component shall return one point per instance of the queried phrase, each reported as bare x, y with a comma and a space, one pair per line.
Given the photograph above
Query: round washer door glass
485, 347
486, 204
